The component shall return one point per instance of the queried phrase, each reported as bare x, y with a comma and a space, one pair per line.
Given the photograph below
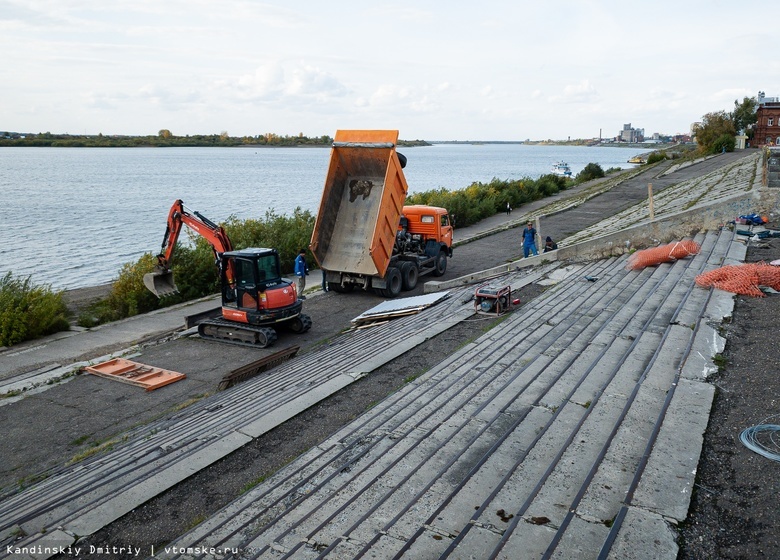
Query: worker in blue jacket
301, 271
529, 240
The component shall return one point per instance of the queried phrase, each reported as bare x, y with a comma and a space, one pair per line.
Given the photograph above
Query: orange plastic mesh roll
743, 279
663, 253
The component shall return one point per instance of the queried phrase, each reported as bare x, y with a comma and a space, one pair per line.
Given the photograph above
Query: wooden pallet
133, 373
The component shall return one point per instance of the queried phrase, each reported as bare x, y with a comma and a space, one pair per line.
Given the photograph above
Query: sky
434, 70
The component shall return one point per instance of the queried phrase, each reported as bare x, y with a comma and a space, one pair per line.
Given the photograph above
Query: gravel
733, 513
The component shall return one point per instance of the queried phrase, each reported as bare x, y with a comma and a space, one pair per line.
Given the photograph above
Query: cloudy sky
435, 70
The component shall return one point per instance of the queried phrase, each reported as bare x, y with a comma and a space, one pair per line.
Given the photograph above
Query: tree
709, 132
744, 114
725, 143
164, 133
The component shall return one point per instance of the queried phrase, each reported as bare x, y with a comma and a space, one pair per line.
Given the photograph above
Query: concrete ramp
573, 429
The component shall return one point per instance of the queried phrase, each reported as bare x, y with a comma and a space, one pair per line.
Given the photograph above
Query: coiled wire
762, 439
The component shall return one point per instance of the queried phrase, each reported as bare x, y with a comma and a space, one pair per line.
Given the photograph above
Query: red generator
492, 300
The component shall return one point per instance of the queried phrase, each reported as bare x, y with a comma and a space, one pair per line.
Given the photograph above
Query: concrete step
715, 187
527, 439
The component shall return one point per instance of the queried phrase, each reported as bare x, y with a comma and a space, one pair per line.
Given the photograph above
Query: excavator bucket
160, 282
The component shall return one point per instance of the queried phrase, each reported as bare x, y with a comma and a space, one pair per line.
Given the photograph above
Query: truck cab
430, 223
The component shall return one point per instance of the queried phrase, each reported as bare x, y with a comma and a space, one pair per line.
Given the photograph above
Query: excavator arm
160, 281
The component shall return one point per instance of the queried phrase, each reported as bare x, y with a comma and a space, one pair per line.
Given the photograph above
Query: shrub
128, 295
590, 172
724, 143
550, 184
286, 234
194, 267
28, 312
481, 200
656, 157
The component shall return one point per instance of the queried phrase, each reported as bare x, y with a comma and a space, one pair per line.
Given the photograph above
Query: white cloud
583, 92
265, 83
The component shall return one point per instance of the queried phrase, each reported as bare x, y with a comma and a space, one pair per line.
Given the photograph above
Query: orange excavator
256, 300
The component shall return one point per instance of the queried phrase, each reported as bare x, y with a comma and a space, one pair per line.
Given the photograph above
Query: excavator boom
160, 282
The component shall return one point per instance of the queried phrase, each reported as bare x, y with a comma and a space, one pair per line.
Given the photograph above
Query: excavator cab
254, 272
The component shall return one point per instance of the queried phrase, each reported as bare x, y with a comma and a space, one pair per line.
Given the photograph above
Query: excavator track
300, 324
237, 333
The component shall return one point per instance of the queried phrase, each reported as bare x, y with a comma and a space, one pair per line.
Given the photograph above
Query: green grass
79, 440
96, 449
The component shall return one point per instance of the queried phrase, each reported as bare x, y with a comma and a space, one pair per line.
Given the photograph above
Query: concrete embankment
538, 407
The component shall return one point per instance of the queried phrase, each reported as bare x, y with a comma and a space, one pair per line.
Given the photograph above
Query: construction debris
399, 307
257, 367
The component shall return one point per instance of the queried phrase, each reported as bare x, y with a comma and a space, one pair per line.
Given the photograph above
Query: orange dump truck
364, 236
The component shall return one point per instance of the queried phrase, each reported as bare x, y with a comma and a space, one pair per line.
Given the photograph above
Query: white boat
561, 168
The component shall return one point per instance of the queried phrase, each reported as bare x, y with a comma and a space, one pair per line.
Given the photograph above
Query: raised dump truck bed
361, 203
356, 238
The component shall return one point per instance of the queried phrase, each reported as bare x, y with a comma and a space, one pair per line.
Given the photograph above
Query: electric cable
762, 439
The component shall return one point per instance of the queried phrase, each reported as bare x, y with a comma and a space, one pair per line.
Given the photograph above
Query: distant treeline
165, 139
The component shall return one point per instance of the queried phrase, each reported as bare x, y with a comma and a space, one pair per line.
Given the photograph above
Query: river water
71, 217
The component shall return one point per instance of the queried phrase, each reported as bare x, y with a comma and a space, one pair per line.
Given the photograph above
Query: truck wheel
409, 274
440, 266
336, 287
393, 281
300, 324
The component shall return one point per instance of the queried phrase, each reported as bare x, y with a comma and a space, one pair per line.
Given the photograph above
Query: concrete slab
90, 520
607, 490
668, 479
581, 538
294, 406
45, 546
644, 536
700, 363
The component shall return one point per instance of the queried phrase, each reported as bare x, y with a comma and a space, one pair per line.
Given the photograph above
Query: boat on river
561, 168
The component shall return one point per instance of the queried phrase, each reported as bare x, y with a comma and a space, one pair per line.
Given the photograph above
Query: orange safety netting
743, 279
663, 253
